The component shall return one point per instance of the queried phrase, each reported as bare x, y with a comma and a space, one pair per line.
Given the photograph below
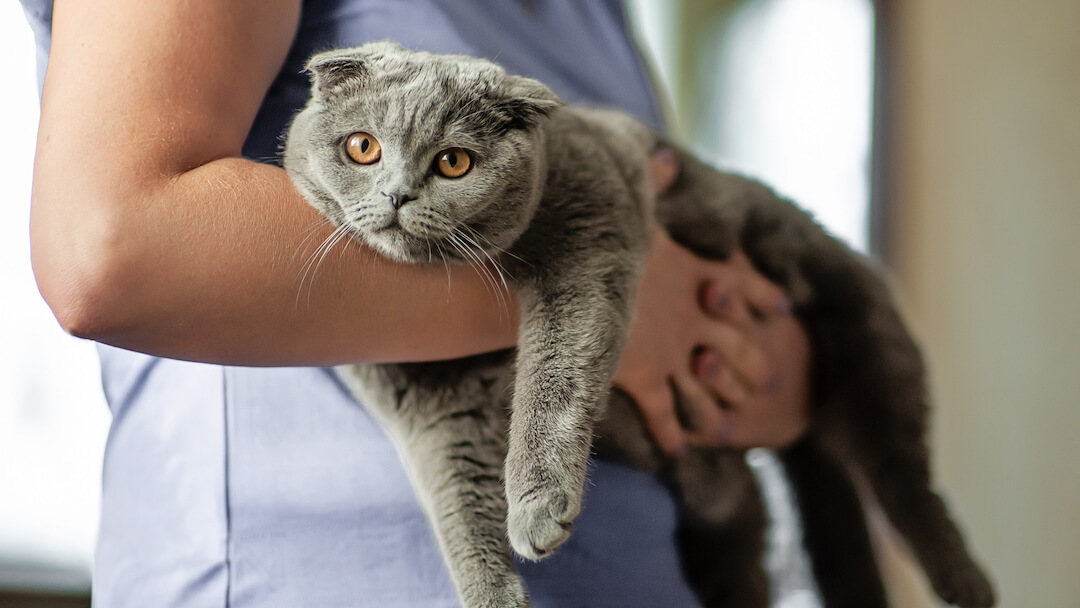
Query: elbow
79, 309
78, 268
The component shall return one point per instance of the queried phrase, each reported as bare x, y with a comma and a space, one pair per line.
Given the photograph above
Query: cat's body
869, 396
448, 159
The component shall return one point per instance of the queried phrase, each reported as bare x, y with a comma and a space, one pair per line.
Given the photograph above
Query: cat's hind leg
835, 533
722, 529
873, 419
722, 521
448, 422
458, 478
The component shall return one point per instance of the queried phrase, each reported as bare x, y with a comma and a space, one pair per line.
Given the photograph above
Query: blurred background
942, 138
53, 419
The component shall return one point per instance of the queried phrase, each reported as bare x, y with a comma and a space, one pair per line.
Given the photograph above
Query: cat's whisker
346, 237
470, 259
468, 255
311, 231
311, 260
446, 263
472, 251
501, 252
465, 239
510, 254
475, 252
307, 268
436, 222
477, 264
499, 271
316, 259
503, 272
481, 250
343, 249
335, 238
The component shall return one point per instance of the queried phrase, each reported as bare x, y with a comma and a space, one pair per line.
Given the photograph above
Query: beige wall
987, 234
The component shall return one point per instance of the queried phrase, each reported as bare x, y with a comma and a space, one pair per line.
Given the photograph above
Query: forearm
224, 263
149, 233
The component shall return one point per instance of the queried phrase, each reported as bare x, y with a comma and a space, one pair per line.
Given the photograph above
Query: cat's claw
541, 522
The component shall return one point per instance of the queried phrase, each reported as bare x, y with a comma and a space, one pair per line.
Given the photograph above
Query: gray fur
496, 445
538, 204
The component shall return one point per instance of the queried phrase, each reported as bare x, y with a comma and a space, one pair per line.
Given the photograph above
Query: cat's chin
401, 246
398, 246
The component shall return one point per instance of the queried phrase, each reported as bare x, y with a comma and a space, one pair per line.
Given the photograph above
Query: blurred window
53, 419
781, 90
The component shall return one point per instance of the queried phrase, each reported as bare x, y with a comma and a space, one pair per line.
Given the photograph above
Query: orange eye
453, 162
363, 148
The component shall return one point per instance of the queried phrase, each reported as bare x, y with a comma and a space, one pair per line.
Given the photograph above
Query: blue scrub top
231, 486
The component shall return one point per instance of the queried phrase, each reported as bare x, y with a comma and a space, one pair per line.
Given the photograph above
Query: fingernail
707, 366
725, 431
784, 305
717, 300
772, 386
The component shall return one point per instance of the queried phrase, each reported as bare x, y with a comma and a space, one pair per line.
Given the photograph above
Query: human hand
776, 414
719, 335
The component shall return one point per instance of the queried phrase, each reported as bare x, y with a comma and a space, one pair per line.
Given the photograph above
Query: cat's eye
363, 148
453, 162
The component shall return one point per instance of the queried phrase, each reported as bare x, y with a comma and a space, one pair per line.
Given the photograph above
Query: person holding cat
238, 471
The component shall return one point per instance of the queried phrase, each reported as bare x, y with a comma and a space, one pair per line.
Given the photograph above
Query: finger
762, 295
742, 363
723, 301
663, 422
724, 386
663, 168
701, 410
766, 297
778, 417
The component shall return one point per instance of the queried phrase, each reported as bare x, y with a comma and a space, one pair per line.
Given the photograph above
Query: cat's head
419, 154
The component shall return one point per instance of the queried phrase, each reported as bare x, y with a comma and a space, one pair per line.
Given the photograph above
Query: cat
870, 411
431, 158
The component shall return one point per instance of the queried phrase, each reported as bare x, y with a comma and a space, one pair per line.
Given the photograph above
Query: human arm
149, 232
722, 337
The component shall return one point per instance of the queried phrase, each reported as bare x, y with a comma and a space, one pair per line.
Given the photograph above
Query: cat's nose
398, 199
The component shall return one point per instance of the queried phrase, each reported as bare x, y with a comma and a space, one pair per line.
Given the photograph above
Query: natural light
53, 418
805, 129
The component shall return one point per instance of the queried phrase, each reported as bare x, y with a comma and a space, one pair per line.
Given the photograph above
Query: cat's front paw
541, 519
506, 592
967, 587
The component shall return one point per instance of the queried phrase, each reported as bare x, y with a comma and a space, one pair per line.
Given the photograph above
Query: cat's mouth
394, 240
421, 237
398, 242
392, 224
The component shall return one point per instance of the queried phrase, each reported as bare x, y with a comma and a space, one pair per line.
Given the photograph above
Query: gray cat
447, 159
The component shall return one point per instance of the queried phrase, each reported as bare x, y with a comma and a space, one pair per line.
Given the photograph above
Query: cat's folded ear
329, 70
524, 101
